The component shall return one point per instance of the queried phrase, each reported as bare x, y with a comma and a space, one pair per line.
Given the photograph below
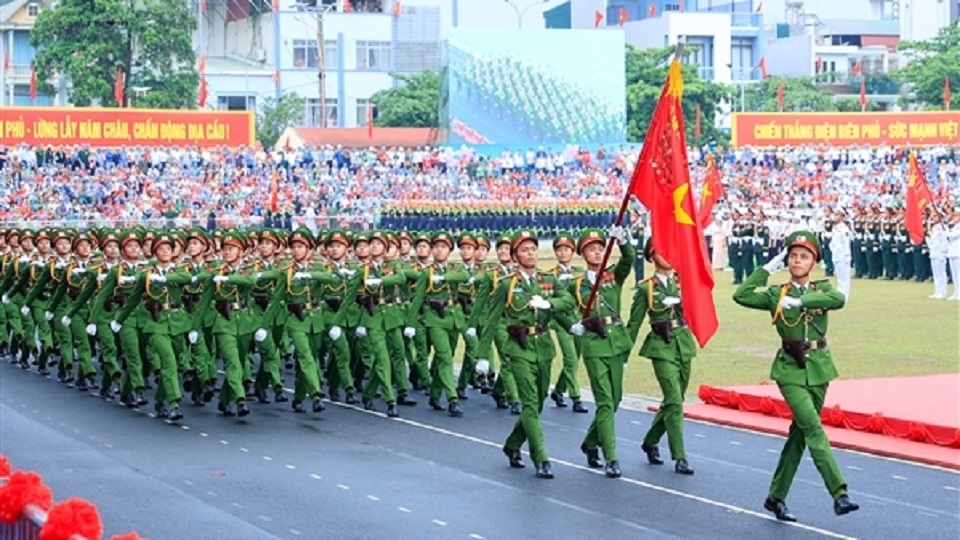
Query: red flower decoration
875, 423
767, 406
5, 469
916, 432
132, 535
73, 516
22, 489
836, 416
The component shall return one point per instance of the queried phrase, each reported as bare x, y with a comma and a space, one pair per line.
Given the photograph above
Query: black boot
318, 405
335, 395
435, 405
514, 457
516, 408
501, 401
262, 396
779, 509
279, 396
544, 470
653, 454
141, 399
298, 406
682, 467
558, 399
175, 414
242, 409
455, 409
613, 469
462, 394
593, 457
579, 407
392, 411
843, 505
351, 398
161, 410
368, 405
404, 399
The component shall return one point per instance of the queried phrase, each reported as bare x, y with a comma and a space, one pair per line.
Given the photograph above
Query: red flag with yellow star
918, 197
661, 181
712, 192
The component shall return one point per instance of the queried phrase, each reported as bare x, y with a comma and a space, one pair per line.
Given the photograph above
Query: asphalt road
347, 473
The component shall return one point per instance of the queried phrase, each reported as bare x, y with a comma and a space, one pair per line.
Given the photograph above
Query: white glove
194, 279
439, 279
302, 275
192, 337
671, 301
619, 234
361, 331
91, 329
471, 280
115, 326
221, 279
577, 329
537, 302
471, 332
409, 332
373, 282
157, 278
77, 271
101, 277
5, 299
483, 366
564, 277
260, 335
790, 302
776, 263
346, 272
65, 321
25, 310
61, 265
126, 280
335, 333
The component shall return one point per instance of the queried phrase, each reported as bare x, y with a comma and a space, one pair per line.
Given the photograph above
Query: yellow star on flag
678, 195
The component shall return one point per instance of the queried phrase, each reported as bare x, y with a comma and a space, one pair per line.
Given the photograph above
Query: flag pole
678, 52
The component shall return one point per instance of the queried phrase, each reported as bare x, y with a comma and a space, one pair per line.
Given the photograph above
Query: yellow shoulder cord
513, 285
778, 313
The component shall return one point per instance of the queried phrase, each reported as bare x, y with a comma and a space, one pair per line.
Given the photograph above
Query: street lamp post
522, 11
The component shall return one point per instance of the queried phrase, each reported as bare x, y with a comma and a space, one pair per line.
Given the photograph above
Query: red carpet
915, 418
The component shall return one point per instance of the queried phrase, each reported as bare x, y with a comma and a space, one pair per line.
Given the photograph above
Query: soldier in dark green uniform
466, 296
803, 366
671, 348
527, 304
41, 283
76, 278
567, 381
264, 290
606, 343
334, 342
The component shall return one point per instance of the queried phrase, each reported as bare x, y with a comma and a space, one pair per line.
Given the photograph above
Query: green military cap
27, 233
81, 236
338, 237
218, 233
590, 236
43, 234
234, 238
164, 237
199, 234
482, 240
392, 238
271, 235
302, 236
321, 237
378, 235
504, 238
360, 237
405, 235
804, 239
442, 236
467, 238
253, 237
423, 237
110, 235
131, 235
62, 234
180, 237
522, 236
149, 234
648, 249
13, 233
564, 238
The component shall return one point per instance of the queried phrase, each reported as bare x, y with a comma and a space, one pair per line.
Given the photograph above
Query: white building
922, 19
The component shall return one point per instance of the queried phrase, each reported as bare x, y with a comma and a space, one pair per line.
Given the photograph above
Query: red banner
59, 126
845, 129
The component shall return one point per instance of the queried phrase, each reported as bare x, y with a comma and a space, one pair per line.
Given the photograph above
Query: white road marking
187, 482
264, 518
372, 498
223, 442
951, 488
700, 435
108, 445
898, 477
237, 505
242, 449
440, 523
736, 443
316, 476
202, 434
342, 486
476, 536
772, 451
295, 532
854, 468
212, 494
267, 458
634, 422
291, 467
185, 428
404, 510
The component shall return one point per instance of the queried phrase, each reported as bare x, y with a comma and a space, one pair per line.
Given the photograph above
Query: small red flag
759, 7
780, 96
274, 202
857, 68
6, 59
661, 182
819, 64
369, 120
863, 94
946, 92
33, 83
918, 197
347, 6
712, 192
396, 8
696, 125
623, 17
276, 78
203, 6
652, 10
597, 18
202, 91
118, 88
680, 6
202, 64
763, 68
276, 6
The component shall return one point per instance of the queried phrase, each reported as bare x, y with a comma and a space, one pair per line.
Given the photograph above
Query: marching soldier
419, 353
605, 343
12, 298
34, 310
527, 303
264, 291
196, 298
77, 276
803, 366
671, 348
334, 343
466, 297
564, 272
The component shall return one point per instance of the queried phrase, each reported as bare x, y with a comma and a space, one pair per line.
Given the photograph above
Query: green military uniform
606, 347
671, 348
77, 276
197, 299
14, 265
336, 345
443, 320
888, 246
526, 304
802, 368
567, 380
42, 281
466, 296
263, 293
419, 350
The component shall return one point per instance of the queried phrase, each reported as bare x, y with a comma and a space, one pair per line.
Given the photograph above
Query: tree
646, 71
148, 40
415, 103
800, 94
277, 114
931, 62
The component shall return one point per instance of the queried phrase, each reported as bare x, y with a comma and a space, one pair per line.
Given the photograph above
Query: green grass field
888, 328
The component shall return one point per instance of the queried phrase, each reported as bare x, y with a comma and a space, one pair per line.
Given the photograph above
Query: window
362, 105
237, 103
331, 58
305, 54
373, 55
33, 10
312, 113
741, 59
700, 53
417, 56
